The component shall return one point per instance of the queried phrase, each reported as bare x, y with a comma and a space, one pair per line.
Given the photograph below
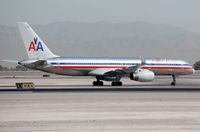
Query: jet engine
142, 75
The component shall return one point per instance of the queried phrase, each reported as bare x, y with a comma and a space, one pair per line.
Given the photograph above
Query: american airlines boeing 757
103, 68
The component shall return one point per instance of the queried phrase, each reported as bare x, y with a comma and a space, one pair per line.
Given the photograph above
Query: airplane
102, 68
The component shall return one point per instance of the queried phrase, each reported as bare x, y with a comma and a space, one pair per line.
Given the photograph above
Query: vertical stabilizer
35, 47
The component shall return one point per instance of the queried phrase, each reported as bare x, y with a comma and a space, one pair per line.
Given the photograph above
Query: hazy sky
182, 13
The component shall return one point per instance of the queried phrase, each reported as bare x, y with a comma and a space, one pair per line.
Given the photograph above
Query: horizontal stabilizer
10, 61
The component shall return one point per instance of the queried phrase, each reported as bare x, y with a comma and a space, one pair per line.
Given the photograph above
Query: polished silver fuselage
82, 66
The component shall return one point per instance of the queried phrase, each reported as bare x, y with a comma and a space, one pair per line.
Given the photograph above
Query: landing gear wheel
100, 83
119, 83
97, 83
173, 84
116, 83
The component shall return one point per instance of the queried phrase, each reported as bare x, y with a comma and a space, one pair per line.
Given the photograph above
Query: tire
173, 84
101, 83
95, 83
119, 83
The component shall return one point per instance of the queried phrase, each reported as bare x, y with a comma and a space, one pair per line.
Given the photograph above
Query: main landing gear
173, 83
117, 82
98, 82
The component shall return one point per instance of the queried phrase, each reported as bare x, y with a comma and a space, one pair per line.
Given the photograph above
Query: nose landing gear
173, 83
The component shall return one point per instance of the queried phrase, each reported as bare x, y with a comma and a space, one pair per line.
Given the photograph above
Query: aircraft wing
130, 69
112, 72
101, 72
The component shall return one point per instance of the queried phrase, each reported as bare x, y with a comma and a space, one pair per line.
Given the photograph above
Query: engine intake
142, 75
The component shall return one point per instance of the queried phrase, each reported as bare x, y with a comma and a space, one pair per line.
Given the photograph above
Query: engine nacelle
142, 75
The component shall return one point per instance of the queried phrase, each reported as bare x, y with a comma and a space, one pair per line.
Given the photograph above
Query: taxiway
61, 104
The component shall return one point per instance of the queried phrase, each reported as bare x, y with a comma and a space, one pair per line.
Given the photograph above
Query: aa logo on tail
35, 45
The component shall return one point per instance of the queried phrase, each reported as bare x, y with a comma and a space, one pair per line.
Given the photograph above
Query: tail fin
35, 47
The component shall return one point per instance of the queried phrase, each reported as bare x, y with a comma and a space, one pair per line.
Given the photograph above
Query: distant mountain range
106, 39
